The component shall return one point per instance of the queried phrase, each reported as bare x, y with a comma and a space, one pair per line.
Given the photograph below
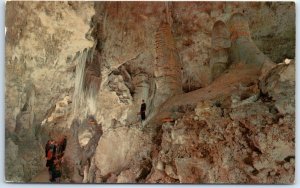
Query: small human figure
51, 156
54, 152
143, 110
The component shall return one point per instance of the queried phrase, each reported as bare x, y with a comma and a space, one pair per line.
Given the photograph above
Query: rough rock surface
242, 138
128, 144
168, 66
220, 44
41, 40
81, 69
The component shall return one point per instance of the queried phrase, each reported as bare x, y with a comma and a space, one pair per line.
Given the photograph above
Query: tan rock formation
42, 40
220, 49
126, 143
250, 142
168, 67
81, 69
243, 48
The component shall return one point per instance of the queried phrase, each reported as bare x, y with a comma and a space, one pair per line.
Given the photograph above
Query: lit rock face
271, 25
243, 48
242, 138
100, 59
120, 148
167, 67
62, 108
277, 85
220, 43
42, 55
42, 39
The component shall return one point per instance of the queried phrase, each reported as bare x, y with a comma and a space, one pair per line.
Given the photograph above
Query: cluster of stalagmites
238, 129
242, 138
245, 135
234, 40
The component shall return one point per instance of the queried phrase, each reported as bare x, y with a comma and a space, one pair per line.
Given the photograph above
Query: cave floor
42, 177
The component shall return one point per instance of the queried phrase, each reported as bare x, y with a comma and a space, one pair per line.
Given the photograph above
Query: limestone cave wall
217, 78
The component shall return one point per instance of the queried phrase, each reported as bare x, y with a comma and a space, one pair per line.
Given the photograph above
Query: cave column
220, 45
167, 67
243, 48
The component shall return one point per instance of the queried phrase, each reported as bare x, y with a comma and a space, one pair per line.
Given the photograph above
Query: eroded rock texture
42, 40
240, 138
218, 88
168, 67
243, 48
220, 43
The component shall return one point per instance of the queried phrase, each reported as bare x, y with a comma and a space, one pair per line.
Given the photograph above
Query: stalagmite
80, 70
167, 68
243, 49
220, 46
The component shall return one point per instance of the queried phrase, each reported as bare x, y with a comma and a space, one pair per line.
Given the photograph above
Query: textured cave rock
81, 69
43, 39
130, 145
243, 48
229, 143
92, 77
220, 46
279, 84
168, 66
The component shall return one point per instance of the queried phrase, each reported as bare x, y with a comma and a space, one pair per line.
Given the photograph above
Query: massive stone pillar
243, 49
220, 47
167, 68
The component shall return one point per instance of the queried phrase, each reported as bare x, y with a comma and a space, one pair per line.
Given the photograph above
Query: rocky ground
238, 138
218, 80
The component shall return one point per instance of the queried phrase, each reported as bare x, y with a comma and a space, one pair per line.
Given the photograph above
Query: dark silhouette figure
54, 152
51, 157
47, 147
143, 110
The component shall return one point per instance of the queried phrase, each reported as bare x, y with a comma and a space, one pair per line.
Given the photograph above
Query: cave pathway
42, 177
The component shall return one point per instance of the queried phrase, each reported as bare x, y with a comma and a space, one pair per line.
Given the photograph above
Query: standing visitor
143, 110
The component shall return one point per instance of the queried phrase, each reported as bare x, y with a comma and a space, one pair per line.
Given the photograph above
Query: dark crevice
288, 158
146, 167
265, 97
188, 88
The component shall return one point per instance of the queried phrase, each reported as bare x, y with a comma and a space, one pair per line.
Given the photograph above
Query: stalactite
92, 77
87, 81
79, 81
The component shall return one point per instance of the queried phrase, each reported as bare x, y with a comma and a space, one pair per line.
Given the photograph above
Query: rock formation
243, 48
218, 79
232, 138
167, 68
220, 43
